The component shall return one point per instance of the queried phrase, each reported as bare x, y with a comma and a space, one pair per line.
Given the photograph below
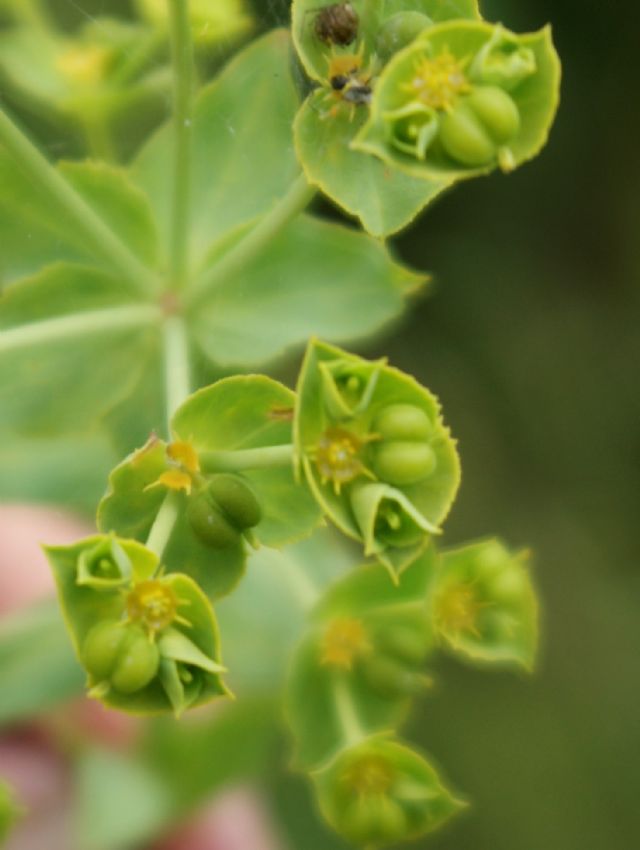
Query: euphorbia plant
137, 298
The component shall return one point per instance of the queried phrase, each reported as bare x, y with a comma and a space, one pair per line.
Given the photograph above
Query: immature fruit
480, 124
122, 655
402, 456
222, 510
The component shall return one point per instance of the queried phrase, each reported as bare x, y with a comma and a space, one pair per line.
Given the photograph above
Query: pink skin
32, 760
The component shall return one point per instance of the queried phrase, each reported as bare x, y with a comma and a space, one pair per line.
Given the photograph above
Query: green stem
183, 65
97, 133
235, 461
243, 252
78, 325
176, 366
163, 524
99, 236
352, 731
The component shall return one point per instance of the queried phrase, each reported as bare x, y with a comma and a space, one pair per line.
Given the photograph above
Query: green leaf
130, 508
133, 608
72, 342
339, 455
296, 288
273, 601
68, 471
37, 666
234, 178
119, 802
385, 200
484, 605
378, 792
244, 412
34, 233
406, 127
361, 660
437, 10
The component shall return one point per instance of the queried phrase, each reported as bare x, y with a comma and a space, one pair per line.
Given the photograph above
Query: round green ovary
122, 655
402, 422
479, 124
236, 499
402, 463
208, 523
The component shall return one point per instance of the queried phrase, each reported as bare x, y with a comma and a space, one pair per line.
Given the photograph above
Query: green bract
361, 661
484, 606
389, 493
378, 792
462, 99
149, 644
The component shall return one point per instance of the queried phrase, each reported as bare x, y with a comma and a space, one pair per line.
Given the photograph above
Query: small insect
337, 24
348, 82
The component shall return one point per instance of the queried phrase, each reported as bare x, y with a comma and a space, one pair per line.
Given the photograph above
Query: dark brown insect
337, 24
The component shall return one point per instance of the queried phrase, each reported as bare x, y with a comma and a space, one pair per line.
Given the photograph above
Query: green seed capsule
402, 463
122, 655
222, 510
497, 112
209, 524
402, 422
479, 125
398, 31
236, 499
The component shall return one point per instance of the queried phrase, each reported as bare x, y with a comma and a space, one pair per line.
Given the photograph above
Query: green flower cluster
375, 453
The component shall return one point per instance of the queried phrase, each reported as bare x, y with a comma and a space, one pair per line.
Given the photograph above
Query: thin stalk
99, 236
78, 325
243, 252
352, 731
176, 366
235, 461
183, 66
163, 524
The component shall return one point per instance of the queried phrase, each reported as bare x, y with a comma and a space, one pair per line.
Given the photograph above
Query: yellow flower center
344, 639
457, 610
337, 456
437, 82
370, 774
183, 453
153, 604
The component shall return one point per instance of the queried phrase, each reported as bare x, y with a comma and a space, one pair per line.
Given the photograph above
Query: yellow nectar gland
344, 640
183, 453
153, 604
174, 479
457, 610
337, 457
83, 64
369, 775
437, 82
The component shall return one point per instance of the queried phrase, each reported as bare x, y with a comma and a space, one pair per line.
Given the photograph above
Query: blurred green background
531, 339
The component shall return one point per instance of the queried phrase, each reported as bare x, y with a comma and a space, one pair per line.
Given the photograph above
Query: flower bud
480, 124
222, 510
399, 31
121, 655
